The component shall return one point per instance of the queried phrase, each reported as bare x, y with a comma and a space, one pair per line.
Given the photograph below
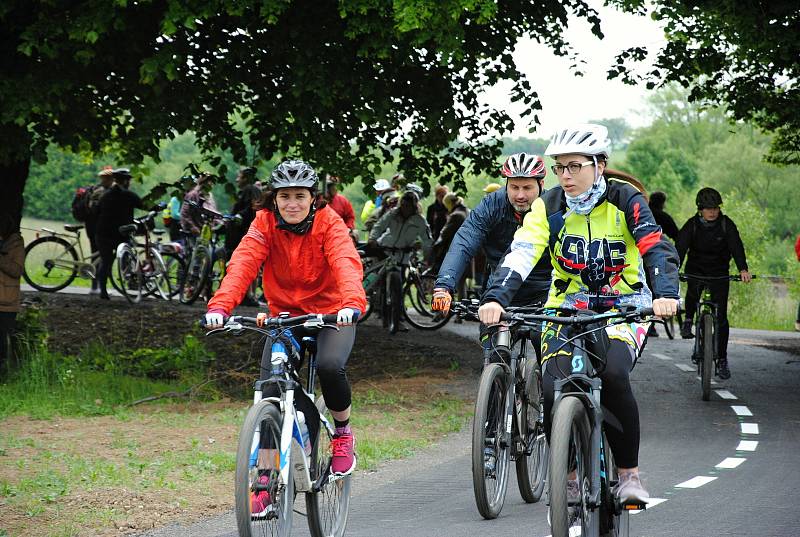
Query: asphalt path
725, 467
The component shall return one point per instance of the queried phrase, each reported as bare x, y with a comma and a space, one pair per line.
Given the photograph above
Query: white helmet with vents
583, 139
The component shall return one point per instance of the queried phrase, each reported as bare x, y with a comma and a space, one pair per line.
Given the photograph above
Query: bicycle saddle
127, 229
73, 227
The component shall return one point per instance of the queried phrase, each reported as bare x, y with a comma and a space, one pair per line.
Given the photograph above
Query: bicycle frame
86, 265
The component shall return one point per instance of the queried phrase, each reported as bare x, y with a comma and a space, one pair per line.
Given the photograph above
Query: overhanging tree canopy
743, 55
343, 84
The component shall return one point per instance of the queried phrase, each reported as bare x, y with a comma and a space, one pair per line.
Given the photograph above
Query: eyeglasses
573, 167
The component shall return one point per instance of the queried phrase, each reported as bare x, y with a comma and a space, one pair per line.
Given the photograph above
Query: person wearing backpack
114, 209
707, 241
92, 202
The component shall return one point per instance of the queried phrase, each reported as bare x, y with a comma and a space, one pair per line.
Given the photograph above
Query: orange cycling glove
441, 300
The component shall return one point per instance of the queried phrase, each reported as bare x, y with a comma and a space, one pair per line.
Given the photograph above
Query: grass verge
93, 468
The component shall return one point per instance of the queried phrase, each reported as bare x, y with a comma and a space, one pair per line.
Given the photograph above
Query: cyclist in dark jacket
491, 226
708, 240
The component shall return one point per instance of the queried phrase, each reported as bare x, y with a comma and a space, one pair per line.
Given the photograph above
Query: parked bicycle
706, 325
205, 268
54, 259
577, 440
509, 418
140, 268
283, 451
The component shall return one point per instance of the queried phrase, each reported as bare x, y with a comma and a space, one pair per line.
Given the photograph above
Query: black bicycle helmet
294, 173
708, 198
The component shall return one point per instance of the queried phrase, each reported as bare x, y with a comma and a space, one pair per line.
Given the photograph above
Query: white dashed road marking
749, 428
661, 356
684, 367
652, 502
731, 462
696, 482
741, 410
725, 394
747, 445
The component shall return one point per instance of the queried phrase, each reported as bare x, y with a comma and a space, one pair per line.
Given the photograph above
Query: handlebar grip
646, 312
505, 316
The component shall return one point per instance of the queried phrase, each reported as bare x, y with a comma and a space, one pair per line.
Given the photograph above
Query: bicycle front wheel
328, 508
531, 460
158, 283
51, 264
394, 300
707, 367
197, 274
490, 445
570, 452
129, 274
263, 501
419, 291
176, 268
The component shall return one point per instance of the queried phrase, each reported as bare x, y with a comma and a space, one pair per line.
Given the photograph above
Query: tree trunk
13, 175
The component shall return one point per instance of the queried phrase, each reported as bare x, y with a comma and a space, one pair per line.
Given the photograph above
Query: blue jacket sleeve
467, 242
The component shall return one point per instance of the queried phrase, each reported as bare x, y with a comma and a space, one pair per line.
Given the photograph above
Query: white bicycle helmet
583, 139
382, 184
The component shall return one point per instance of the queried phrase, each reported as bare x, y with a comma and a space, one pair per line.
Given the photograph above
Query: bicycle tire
490, 459
196, 275
367, 311
129, 272
569, 438
327, 509
158, 283
394, 294
531, 461
261, 427
707, 368
39, 269
176, 268
419, 315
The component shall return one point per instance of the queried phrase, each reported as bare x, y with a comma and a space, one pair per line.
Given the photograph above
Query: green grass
761, 305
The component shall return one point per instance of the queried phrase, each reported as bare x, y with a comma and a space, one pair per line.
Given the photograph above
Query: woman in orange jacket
310, 266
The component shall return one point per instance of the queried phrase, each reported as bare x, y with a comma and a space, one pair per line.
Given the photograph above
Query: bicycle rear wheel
176, 269
707, 366
570, 451
50, 264
327, 509
129, 273
490, 449
197, 273
258, 471
531, 460
157, 281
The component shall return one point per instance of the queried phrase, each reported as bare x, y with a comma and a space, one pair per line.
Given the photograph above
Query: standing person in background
797, 251
105, 181
457, 214
12, 259
243, 207
437, 212
114, 210
172, 218
201, 195
381, 186
341, 205
663, 219
386, 202
708, 240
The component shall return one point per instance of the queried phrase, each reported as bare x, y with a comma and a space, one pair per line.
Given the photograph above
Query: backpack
80, 203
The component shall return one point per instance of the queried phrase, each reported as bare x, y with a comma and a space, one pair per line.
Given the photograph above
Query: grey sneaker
630, 489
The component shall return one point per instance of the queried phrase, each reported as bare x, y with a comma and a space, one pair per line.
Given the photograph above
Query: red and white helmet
524, 165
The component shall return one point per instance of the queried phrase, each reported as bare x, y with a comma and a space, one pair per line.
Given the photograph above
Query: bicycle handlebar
208, 212
578, 317
311, 320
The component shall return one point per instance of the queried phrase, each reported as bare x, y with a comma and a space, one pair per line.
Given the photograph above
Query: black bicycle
283, 450
577, 441
706, 326
509, 418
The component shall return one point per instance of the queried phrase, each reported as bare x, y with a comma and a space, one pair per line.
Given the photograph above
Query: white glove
345, 316
214, 320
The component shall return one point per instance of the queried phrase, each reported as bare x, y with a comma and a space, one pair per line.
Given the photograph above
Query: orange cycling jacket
317, 272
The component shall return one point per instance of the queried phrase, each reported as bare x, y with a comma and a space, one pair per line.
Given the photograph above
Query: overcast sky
566, 98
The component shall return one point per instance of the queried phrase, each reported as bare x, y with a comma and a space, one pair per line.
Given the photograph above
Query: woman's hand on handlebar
665, 307
346, 316
214, 319
490, 313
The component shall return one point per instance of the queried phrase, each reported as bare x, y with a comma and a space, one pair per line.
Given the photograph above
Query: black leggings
620, 412
108, 248
333, 351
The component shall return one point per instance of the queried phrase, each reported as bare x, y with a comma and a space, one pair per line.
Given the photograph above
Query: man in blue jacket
491, 226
